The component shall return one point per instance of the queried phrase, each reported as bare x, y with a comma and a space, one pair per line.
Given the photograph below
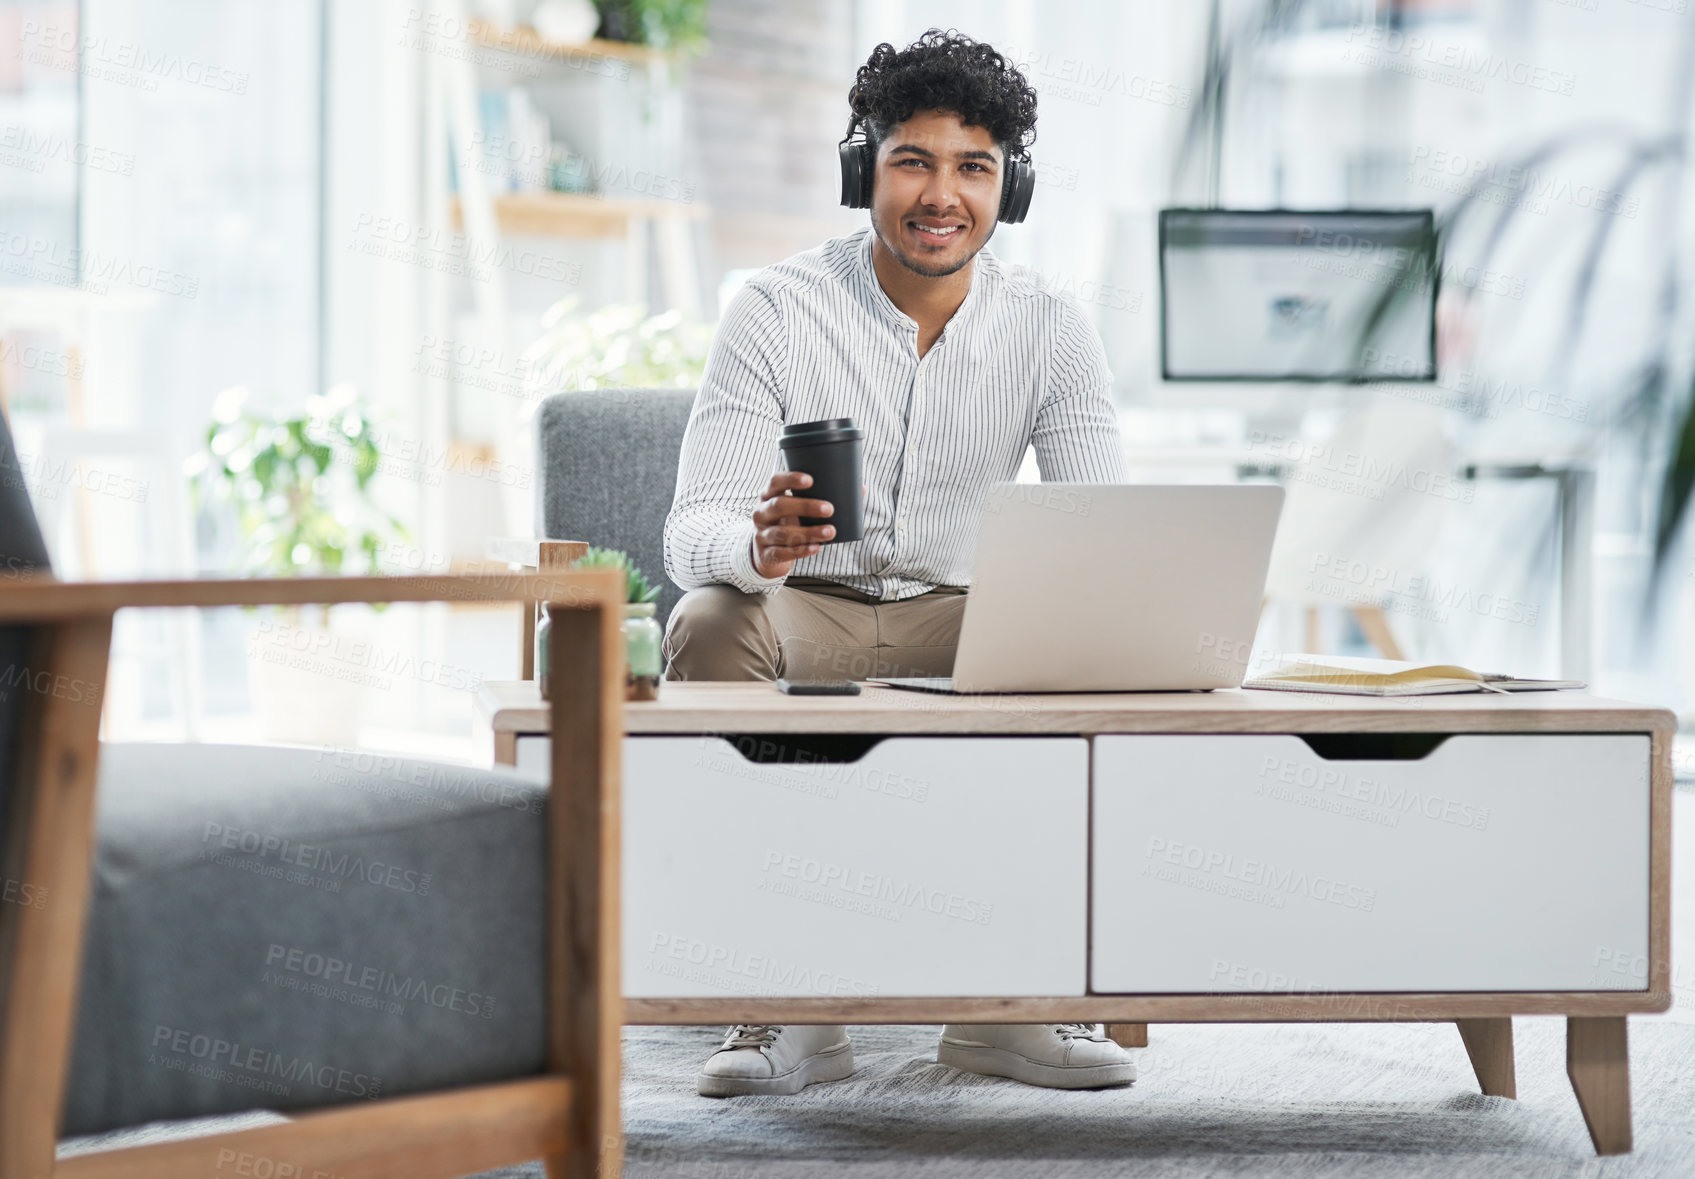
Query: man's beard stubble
920, 268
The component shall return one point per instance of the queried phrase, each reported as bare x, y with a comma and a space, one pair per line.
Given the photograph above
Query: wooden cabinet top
517, 707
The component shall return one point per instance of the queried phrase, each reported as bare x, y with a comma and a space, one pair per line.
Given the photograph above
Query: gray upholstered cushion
608, 463
283, 928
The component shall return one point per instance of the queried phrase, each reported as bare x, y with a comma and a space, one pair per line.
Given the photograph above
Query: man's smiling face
936, 192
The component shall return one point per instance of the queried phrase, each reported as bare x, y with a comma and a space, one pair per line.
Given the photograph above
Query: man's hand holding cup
825, 457
779, 538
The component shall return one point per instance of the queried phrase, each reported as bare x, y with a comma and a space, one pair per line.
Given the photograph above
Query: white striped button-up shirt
816, 337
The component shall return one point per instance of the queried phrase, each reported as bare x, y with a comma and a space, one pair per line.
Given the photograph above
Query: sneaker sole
998, 1062
834, 1064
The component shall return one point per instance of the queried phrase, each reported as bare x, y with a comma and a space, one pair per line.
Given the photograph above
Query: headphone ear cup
1016, 191
857, 161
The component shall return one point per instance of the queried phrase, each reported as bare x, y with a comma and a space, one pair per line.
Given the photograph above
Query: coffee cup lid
817, 433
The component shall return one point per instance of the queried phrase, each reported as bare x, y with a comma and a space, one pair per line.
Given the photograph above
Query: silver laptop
1082, 587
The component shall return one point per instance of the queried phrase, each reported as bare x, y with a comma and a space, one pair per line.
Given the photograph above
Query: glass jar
642, 659
542, 629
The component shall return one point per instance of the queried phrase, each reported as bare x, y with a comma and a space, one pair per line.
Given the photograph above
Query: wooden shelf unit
525, 40
577, 214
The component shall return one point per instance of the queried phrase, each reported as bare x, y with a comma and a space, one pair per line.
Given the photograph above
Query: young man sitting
953, 366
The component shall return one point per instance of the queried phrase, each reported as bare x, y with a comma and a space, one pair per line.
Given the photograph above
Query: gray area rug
1272, 1100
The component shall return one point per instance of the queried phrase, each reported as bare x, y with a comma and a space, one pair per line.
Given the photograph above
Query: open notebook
1389, 677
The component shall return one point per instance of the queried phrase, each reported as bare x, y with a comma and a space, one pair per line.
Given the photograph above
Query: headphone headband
859, 163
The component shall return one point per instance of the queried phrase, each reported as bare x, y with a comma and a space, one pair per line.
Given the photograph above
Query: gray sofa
607, 463
274, 928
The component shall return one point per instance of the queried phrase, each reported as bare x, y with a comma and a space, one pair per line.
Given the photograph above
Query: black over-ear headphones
859, 163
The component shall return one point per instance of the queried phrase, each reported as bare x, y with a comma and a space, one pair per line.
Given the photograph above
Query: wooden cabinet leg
1128, 1035
1489, 1043
1598, 1063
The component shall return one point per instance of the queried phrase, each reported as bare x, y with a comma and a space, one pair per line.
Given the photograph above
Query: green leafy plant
663, 24
619, 346
299, 484
637, 588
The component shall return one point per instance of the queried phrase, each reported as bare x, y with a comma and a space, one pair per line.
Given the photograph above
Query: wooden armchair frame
568, 1116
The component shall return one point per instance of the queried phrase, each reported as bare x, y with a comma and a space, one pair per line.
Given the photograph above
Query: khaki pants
811, 629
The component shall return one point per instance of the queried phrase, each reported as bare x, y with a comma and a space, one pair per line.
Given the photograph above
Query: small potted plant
642, 660
298, 486
662, 24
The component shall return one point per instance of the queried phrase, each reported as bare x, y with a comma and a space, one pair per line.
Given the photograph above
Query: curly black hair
948, 72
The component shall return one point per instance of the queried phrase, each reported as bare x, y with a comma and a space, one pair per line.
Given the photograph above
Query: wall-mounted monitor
1286, 295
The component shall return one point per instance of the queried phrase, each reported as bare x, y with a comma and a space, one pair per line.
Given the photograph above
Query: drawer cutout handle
1373, 746
802, 748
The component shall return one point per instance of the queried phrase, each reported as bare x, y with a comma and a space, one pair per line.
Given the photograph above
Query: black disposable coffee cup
832, 452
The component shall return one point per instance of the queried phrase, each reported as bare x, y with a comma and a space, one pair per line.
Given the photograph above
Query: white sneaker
763, 1058
1054, 1055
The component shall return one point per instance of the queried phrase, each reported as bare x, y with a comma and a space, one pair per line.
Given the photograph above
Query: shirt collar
879, 300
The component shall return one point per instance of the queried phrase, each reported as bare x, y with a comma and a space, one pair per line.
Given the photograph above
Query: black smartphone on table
818, 687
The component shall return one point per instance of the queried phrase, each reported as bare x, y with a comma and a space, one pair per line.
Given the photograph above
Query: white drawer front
930, 866
1249, 863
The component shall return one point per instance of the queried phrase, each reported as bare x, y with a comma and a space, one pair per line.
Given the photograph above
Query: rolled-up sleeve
729, 450
1076, 433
